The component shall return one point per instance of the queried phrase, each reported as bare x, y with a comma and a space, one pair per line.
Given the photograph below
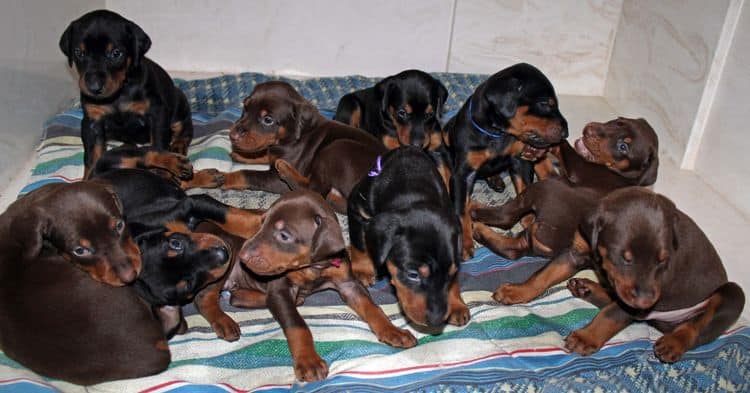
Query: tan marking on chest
138, 107
96, 112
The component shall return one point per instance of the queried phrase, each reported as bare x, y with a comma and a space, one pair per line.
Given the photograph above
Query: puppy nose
95, 82
248, 252
126, 274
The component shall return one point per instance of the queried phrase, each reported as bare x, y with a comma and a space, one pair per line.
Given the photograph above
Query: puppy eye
412, 275
623, 147
284, 236
120, 226
176, 244
115, 54
78, 52
82, 251
402, 113
267, 121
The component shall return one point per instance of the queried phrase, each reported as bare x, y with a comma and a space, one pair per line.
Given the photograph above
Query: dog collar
479, 128
378, 167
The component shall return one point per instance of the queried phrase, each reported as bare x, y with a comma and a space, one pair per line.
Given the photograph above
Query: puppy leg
356, 296
462, 184
507, 215
207, 303
607, 323
458, 311
239, 222
363, 266
255, 180
94, 145
248, 298
723, 308
590, 291
509, 247
290, 174
308, 366
562, 267
205, 178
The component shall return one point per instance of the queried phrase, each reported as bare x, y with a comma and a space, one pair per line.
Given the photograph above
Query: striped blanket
503, 348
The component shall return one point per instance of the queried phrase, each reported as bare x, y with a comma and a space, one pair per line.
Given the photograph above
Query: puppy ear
379, 236
66, 42
591, 227
442, 97
305, 116
503, 97
141, 42
327, 240
651, 165
670, 213
382, 92
30, 230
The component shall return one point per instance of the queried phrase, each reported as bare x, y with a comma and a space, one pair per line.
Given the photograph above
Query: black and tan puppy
65, 254
401, 219
179, 265
124, 95
300, 250
512, 114
278, 123
654, 264
620, 153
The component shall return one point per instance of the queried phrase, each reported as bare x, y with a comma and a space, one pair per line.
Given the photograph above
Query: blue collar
480, 129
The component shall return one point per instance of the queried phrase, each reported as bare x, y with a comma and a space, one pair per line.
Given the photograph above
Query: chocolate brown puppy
278, 123
65, 255
654, 264
124, 95
300, 250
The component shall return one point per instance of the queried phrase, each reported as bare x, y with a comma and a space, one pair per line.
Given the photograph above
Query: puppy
512, 114
124, 95
401, 218
622, 152
65, 254
654, 264
300, 250
278, 123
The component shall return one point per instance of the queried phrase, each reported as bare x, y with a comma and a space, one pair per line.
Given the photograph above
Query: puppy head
521, 101
299, 229
274, 113
633, 236
83, 222
178, 263
628, 147
421, 250
412, 105
103, 46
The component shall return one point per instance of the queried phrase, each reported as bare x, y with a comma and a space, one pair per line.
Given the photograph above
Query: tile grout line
450, 36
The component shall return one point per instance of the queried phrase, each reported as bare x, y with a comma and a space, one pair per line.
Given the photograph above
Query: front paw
208, 178
468, 247
366, 277
176, 164
310, 368
458, 314
396, 337
581, 343
670, 347
580, 287
496, 183
513, 294
226, 328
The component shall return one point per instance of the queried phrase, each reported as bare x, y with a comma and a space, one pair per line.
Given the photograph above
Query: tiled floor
725, 226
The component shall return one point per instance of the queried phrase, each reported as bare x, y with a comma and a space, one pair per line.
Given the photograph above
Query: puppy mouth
583, 150
262, 266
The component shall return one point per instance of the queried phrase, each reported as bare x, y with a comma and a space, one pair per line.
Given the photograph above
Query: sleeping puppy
298, 251
654, 264
401, 219
621, 152
65, 256
124, 95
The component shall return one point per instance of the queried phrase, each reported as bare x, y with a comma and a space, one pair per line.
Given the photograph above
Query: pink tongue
581, 148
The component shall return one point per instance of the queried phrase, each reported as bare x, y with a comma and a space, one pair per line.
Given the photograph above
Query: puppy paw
581, 343
512, 294
670, 347
310, 368
496, 183
399, 338
367, 278
176, 164
226, 328
458, 315
580, 287
468, 247
206, 178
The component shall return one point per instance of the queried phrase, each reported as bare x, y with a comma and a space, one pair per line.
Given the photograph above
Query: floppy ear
670, 213
504, 97
382, 90
379, 237
327, 240
141, 42
442, 97
30, 230
590, 228
305, 116
648, 177
66, 42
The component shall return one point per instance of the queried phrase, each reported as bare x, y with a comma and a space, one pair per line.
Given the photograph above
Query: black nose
95, 82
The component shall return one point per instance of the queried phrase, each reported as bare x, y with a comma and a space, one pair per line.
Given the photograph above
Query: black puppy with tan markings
654, 264
125, 96
299, 250
65, 254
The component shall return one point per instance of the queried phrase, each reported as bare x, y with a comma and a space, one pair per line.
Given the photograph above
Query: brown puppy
278, 123
623, 152
654, 264
57, 321
300, 250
